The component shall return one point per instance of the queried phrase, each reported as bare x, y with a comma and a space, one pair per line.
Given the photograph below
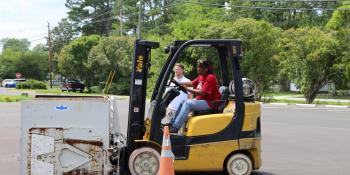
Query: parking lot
296, 140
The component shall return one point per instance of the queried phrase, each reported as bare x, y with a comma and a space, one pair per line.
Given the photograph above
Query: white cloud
28, 18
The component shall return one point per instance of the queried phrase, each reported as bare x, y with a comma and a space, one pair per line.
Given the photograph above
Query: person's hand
181, 86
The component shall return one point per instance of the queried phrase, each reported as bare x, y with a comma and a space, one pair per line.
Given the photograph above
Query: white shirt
181, 97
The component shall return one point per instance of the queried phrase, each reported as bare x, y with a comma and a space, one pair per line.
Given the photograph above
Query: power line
293, 0
102, 20
34, 36
37, 39
262, 7
97, 13
101, 14
91, 16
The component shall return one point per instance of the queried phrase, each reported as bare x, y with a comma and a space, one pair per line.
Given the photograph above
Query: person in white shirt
172, 107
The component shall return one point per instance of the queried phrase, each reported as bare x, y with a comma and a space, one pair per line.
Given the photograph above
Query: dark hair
205, 63
180, 65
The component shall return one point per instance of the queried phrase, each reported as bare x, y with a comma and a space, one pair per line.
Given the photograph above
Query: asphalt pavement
297, 140
8, 91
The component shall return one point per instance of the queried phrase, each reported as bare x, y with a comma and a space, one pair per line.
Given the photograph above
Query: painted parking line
338, 110
335, 106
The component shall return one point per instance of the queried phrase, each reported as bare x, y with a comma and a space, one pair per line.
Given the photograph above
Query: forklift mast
138, 86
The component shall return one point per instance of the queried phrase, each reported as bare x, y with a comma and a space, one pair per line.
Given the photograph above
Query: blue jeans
185, 108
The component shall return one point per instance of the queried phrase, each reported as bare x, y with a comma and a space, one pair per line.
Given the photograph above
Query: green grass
330, 96
13, 98
283, 94
55, 91
298, 95
303, 102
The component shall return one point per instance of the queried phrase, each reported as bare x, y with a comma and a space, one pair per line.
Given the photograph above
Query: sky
28, 18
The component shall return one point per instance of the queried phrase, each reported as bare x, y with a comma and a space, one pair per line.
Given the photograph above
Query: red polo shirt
208, 84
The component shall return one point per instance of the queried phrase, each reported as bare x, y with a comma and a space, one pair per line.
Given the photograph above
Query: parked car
73, 85
11, 83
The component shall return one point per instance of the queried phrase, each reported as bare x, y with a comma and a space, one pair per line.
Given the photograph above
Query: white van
8, 83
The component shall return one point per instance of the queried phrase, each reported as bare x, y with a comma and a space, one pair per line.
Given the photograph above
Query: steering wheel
177, 85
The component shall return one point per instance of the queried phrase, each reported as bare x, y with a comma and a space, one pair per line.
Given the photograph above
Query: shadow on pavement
219, 173
262, 173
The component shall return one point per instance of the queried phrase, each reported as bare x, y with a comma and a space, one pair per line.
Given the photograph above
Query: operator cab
222, 137
219, 63
224, 56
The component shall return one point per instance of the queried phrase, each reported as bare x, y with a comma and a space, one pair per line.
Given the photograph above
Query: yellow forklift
226, 140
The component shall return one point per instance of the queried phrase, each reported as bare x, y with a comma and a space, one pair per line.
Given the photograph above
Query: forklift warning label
61, 108
139, 63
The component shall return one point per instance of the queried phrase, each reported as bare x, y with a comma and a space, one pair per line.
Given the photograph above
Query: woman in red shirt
206, 90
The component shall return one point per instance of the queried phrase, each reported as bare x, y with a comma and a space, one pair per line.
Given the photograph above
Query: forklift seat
220, 104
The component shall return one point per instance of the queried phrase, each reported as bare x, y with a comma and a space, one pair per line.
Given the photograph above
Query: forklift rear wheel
239, 164
144, 161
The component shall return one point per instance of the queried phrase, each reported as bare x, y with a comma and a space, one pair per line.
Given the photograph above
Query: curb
307, 105
336, 106
280, 104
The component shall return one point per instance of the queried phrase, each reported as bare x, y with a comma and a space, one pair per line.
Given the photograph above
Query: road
296, 140
8, 91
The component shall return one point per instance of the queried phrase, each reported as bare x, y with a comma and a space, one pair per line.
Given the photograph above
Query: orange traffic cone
167, 157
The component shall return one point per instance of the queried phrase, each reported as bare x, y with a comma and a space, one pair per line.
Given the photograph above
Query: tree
341, 26
156, 15
91, 16
8, 60
112, 53
31, 64
73, 59
259, 49
62, 35
196, 22
284, 14
340, 18
17, 45
308, 57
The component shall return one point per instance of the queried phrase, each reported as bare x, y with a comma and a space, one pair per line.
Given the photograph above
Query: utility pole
121, 18
50, 52
139, 24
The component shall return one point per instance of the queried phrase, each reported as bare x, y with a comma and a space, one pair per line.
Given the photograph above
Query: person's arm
196, 91
187, 84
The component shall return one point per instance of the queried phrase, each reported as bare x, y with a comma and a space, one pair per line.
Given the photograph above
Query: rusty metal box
67, 135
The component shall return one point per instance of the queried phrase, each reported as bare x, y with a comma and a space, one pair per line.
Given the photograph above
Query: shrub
120, 88
31, 84
96, 89
8, 99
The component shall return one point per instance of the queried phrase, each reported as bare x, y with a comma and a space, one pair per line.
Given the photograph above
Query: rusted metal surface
89, 142
43, 131
81, 172
79, 135
93, 148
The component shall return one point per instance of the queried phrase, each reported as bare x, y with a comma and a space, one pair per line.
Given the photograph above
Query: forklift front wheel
239, 164
144, 160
